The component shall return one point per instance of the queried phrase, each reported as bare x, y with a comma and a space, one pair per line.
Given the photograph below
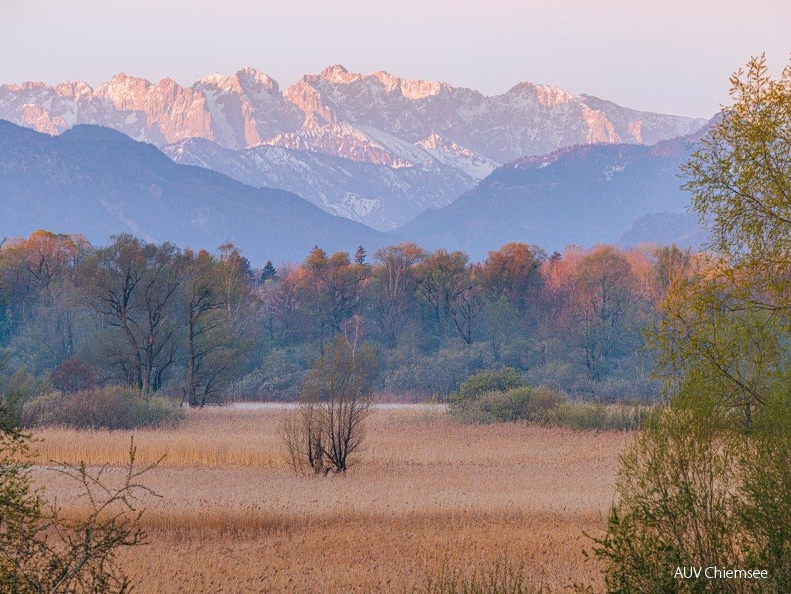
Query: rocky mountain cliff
341, 113
407, 145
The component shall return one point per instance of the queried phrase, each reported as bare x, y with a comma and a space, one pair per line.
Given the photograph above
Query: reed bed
426, 494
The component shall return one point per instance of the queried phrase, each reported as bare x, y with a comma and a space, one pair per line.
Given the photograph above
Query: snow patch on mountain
380, 196
344, 140
454, 155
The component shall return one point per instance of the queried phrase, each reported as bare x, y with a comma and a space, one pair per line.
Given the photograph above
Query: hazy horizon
670, 57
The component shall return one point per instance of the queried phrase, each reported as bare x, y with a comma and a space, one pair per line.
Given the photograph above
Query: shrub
101, 408
676, 505
493, 407
501, 396
498, 380
697, 488
17, 390
327, 430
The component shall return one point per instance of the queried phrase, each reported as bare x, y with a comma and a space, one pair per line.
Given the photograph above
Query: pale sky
670, 56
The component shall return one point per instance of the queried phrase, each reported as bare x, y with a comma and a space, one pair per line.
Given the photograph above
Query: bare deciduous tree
328, 428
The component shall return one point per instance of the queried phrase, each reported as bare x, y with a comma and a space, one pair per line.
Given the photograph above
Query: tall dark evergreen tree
360, 255
268, 273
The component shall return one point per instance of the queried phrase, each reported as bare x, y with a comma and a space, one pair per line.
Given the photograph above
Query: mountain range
98, 182
375, 148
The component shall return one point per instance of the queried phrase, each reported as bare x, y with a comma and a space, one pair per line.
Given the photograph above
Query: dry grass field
425, 493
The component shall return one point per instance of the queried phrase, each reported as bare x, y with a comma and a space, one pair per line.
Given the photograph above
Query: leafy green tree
712, 334
732, 322
707, 482
739, 177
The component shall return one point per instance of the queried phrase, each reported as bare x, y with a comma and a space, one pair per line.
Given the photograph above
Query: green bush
101, 408
498, 380
493, 407
697, 488
501, 396
676, 506
765, 506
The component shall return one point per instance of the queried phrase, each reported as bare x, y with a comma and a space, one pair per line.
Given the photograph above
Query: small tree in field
327, 428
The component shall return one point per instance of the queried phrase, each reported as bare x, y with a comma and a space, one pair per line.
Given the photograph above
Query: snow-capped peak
411, 89
246, 79
338, 74
125, 92
250, 77
124, 81
546, 95
216, 79
247, 107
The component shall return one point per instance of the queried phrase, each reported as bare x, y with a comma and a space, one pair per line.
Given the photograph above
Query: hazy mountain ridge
97, 182
664, 228
581, 195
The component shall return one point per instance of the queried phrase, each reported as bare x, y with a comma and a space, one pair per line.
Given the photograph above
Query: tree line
204, 326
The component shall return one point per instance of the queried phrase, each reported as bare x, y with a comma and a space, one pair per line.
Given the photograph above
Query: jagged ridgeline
401, 146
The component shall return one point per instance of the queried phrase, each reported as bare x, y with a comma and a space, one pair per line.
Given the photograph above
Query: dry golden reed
425, 493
